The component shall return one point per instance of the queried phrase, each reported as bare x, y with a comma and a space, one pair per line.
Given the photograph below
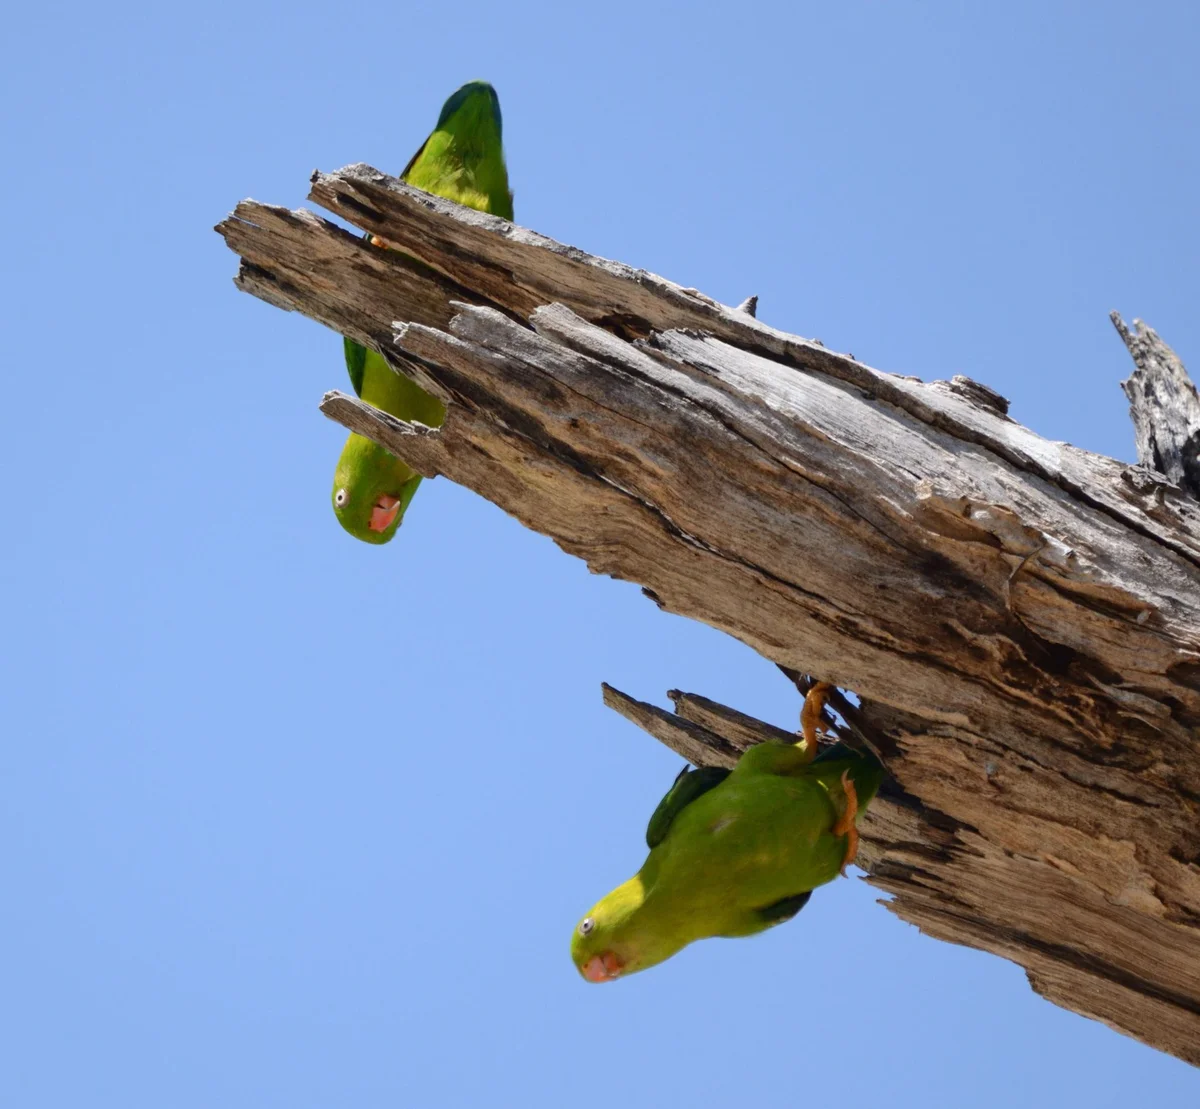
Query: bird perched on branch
462, 160
733, 853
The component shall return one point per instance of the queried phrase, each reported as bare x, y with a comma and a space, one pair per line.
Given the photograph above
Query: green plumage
689, 785
356, 363
462, 160
732, 853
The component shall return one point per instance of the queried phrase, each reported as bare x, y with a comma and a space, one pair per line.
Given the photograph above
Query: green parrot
462, 160
733, 852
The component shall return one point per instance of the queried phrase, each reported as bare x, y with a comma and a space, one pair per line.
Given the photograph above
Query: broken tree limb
1020, 619
699, 745
1163, 405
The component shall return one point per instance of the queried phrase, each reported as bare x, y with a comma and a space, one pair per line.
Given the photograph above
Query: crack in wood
1020, 619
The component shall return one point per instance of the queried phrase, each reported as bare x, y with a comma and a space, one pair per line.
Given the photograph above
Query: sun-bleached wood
1021, 619
1164, 406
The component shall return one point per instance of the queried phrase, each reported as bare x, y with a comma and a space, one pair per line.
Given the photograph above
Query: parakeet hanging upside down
733, 853
462, 160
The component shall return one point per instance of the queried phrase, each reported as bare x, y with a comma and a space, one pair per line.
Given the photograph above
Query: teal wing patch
356, 363
686, 788
412, 162
783, 909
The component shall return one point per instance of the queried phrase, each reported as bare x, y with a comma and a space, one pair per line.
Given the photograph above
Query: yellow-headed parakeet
733, 852
462, 160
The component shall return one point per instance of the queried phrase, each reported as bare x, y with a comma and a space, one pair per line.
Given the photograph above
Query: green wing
356, 363
356, 353
689, 785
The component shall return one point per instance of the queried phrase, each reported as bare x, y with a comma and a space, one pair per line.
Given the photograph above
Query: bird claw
810, 716
845, 825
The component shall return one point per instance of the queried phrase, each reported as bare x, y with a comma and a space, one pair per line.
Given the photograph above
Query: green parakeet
732, 852
462, 160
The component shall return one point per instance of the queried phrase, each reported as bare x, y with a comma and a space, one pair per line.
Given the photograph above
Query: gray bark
1020, 619
1163, 405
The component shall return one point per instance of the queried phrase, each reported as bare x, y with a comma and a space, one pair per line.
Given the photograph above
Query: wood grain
1163, 405
1021, 619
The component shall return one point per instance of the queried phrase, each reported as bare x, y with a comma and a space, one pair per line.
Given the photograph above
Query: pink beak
602, 968
384, 513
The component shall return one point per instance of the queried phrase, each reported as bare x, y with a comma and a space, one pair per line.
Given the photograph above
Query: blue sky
292, 821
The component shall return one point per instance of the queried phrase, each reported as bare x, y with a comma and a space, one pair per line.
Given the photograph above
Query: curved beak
602, 968
384, 513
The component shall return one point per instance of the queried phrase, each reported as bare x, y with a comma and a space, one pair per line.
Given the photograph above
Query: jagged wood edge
281, 265
1163, 405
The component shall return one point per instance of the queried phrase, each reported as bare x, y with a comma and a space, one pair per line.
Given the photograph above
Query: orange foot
845, 825
810, 715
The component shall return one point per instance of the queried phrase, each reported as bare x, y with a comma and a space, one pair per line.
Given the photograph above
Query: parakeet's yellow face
617, 938
596, 951
383, 511
368, 513
371, 490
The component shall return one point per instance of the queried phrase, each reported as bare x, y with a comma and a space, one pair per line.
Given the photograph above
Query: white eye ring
340, 498
586, 925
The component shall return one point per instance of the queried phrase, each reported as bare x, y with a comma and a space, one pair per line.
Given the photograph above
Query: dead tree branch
1021, 619
1163, 405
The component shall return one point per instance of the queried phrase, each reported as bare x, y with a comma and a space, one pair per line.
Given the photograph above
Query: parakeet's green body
729, 855
462, 160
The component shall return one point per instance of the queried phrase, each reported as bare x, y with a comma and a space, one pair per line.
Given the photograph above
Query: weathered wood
1163, 405
1021, 619
697, 744
740, 729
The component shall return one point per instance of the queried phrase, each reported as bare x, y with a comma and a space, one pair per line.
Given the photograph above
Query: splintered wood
1021, 619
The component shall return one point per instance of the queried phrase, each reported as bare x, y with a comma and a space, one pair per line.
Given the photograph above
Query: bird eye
586, 925
340, 498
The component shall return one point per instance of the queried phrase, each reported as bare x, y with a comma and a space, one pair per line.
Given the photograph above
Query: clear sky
287, 820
